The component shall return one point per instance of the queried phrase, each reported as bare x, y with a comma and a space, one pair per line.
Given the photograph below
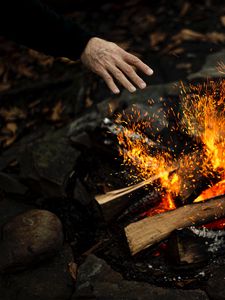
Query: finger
129, 71
122, 79
110, 82
135, 61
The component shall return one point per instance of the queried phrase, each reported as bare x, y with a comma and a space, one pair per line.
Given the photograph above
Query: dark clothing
33, 24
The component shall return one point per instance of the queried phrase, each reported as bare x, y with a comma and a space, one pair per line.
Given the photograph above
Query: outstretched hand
111, 62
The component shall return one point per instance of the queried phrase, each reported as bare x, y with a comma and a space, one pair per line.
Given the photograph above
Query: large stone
210, 68
97, 280
153, 92
215, 285
48, 165
28, 238
51, 280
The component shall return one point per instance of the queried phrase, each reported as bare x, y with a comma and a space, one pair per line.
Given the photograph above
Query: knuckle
108, 78
135, 60
117, 74
128, 70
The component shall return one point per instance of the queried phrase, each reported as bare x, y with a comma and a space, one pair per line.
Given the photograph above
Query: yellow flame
203, 108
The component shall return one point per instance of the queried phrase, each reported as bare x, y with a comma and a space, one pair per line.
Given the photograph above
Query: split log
113, 202
186, 250
151, 230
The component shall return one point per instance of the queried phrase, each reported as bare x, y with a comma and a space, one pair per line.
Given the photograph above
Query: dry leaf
42, 59
12, 113
222, 20
57, 111
12, 127
188, 35
185, 8
73, 270
88, 102
216, 37
177, 51
156, 38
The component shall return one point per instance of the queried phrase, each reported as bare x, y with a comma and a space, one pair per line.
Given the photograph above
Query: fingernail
149, 72
116, 91
143, 85
132, 89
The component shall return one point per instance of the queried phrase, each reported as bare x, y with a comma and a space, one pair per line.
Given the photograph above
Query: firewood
114, 201
186, 249
151, 230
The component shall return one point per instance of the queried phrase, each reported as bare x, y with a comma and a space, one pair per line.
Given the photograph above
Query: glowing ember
203, 118
166, 204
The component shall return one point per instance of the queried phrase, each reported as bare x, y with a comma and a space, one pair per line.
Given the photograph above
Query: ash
215, 239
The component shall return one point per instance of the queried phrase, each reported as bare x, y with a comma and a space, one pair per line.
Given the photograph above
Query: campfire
190, 183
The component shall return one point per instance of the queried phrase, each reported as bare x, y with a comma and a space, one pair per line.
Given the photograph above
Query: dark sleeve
31, 23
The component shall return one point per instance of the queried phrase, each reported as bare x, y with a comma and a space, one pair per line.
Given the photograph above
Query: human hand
111, 62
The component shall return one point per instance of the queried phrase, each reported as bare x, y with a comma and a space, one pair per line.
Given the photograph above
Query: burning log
113, 202
149, 231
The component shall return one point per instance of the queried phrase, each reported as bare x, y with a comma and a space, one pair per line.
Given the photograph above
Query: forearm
32, 24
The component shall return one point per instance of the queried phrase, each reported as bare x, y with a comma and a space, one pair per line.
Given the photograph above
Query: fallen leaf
156, 38
73, 270
222, 20
12, 127
177, 51
185, 8
215, 37
12, 113
41, 58
88, 102
57, 111
188, 35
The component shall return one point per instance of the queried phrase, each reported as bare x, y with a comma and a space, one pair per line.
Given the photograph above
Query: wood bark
114, 202
151, 230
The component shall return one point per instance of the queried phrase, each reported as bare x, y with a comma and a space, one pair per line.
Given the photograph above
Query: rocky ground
50, 117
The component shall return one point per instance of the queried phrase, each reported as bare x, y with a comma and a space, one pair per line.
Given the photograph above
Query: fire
203, 109
204, 119
216, 190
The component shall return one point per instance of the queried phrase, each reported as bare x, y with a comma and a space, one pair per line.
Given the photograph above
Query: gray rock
49, 281
152, 92
215, 286
28, 238
97, 280
210, 68
49, 163
86, 123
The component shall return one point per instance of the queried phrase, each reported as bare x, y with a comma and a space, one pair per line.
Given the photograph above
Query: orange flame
203, 108
217, 189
